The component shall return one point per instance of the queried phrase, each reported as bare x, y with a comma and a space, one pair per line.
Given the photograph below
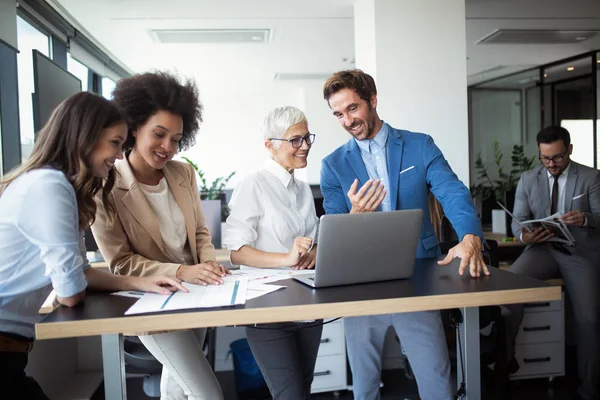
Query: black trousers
14, 383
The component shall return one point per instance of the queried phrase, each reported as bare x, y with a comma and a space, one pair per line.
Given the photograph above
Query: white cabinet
540, 344
330, 368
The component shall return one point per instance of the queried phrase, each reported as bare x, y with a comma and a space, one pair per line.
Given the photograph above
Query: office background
434, 71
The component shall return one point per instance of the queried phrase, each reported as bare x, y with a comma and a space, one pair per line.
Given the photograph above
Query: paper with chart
230, 293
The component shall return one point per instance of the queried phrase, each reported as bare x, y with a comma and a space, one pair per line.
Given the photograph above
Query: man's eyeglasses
297, 142
555, 159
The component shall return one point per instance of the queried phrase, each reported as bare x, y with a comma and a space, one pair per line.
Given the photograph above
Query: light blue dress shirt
41, 247
374, 155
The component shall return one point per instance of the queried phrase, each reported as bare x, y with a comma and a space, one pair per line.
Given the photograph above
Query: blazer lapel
544, 190
181, 190
136, 203
570, 189
394, 161
356, 162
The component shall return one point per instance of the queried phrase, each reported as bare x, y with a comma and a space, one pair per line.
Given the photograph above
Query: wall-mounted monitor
52, 85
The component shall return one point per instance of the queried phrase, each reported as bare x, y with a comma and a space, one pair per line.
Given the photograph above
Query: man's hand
539, 235
368, 197
308, 260
469, 251
574, 217
204, 274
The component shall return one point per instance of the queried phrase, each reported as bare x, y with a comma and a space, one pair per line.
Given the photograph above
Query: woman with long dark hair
45, 204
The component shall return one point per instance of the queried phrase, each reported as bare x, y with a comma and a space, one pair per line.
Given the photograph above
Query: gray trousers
422, 337
582, 283
286, 354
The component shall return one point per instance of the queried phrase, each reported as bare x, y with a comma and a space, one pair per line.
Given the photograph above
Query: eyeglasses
297, 142
555, 159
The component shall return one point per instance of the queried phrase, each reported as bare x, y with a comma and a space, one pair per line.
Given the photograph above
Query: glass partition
569, 102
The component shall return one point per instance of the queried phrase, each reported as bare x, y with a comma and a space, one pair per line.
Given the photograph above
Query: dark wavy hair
355, 79
66, 143
141, 96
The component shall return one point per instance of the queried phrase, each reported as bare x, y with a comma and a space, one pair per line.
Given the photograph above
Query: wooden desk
431, 288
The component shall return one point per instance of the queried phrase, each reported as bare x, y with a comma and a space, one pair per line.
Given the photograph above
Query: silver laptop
368, 247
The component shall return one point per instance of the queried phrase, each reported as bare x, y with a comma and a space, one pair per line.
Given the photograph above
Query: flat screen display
52, 85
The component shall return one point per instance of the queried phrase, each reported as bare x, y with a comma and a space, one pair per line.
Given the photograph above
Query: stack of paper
247, 283
227, 294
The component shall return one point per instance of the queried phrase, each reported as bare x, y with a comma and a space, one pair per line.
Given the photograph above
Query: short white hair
279, 120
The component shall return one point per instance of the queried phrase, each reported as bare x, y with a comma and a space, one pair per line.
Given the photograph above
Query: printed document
553, 223
229, 293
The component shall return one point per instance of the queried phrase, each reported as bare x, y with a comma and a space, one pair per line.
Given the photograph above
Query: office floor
397, 387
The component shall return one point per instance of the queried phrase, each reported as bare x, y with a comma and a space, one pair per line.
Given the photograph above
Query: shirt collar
564, 173
281, 173
380, 139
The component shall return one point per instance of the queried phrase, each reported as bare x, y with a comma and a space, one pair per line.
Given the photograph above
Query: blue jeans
422, 337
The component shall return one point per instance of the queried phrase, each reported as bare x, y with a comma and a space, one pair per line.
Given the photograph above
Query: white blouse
269, 209
171, 221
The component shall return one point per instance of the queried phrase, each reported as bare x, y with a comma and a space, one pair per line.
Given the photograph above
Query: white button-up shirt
269, 209
40, 247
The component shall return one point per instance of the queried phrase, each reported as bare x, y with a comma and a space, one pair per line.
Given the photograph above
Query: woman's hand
299, 250
157, 284
207, 273
308, 260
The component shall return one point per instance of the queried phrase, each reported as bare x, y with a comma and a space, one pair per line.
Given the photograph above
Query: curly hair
141, 96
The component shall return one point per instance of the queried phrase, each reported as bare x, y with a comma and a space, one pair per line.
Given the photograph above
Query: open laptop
366, 247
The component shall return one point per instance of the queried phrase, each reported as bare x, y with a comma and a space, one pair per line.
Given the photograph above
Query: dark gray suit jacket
532, 201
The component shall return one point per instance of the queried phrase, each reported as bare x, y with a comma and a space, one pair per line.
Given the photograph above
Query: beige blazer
132, 244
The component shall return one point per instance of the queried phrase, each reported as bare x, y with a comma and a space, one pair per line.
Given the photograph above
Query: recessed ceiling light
545, 75
570, 68
598, 61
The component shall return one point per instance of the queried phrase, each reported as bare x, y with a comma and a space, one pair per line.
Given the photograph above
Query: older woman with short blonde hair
273, 223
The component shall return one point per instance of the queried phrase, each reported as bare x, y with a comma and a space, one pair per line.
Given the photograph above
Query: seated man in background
573, 190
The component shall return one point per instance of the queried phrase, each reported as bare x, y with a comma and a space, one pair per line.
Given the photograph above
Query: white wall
329, 133
420, 69
230, 138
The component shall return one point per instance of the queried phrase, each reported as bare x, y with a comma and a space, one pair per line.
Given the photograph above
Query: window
29, 38
108, 85
79, 70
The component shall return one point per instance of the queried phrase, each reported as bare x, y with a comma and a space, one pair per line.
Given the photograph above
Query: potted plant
213, 200
503, 187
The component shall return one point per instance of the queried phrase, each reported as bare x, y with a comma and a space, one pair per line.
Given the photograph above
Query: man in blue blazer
396, 169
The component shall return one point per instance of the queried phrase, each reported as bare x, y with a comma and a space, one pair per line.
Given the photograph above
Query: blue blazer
415, 167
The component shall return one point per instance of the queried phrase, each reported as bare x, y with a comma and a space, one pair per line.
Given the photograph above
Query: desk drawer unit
542, 327
330, 367
556, 305
540, 360
540, 344
330, 374
332, 339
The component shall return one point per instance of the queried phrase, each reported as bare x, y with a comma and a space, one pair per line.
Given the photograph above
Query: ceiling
313, 37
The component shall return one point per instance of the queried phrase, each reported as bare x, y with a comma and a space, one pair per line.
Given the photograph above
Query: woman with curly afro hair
160, 227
